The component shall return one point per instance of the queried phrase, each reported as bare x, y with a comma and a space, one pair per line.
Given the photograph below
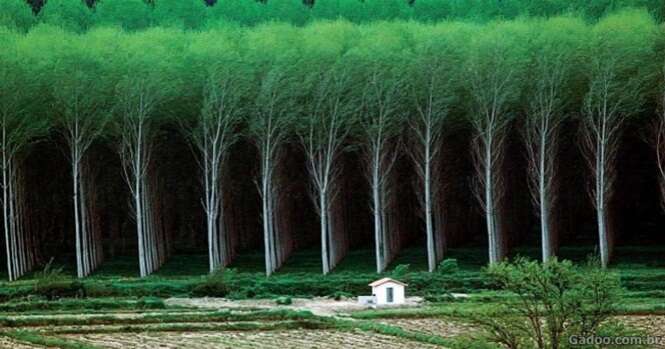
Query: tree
380, 124
273, 51
552, 54
212, 134
377, 62
432, 91
326, 128
554, 303
82, 110
137, 98
493, 75
621, 48
657, 139
19, 126
269, 127
148, 78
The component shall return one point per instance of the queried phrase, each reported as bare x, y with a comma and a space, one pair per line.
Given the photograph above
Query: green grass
38, 304
205, 317
33, 337
640, 269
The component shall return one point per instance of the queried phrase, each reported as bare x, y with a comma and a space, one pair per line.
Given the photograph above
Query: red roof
386, 280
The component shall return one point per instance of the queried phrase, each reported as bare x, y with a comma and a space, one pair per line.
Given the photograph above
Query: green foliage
52, 283
16, 14
71, 15
128, 14
621, 65
140, 14
553, 300
32, 304
215, 285
400, 272
378, 69
37, 338
448, 266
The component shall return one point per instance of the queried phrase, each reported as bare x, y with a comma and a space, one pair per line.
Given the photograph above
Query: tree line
81, 15
379, 90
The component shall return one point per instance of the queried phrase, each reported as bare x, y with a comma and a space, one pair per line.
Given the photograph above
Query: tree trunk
429, 223
325, 239
378, 210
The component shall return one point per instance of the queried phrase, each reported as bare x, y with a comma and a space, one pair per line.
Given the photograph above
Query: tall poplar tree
82, 110
19, 126
212, 134
432, 88
149, 79
553, 53
326, 126
273, 110
621, 51
657, 138
493, 77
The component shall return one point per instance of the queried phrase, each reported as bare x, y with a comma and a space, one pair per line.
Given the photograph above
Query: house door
389, 295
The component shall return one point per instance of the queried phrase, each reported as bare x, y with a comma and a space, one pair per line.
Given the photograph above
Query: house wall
381, 293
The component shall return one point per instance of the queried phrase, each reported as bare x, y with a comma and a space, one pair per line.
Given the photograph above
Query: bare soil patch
321, 339
432, 326
653, 325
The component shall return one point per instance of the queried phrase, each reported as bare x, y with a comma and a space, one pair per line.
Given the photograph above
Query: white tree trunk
545, 237
378, 209
600, 200
77, 229
323, 222
429, 219
489, 203
5, 204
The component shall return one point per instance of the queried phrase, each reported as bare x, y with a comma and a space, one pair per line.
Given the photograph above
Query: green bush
550, 302
400, 271
52, 283
215, 284
440, 298
448, 266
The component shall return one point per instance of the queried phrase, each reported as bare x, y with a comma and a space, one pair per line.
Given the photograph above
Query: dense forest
150, 139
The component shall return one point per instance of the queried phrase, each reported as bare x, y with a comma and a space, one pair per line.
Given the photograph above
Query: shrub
448, 266
283, 300
400, 271
215, 284
550, 302
440, 298
52, 283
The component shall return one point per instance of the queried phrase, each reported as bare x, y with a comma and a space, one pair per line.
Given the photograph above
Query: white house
387, 291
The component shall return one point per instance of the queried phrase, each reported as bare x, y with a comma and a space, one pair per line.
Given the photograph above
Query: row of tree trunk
323, 141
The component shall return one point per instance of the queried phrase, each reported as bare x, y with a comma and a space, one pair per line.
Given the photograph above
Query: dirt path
318, 306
